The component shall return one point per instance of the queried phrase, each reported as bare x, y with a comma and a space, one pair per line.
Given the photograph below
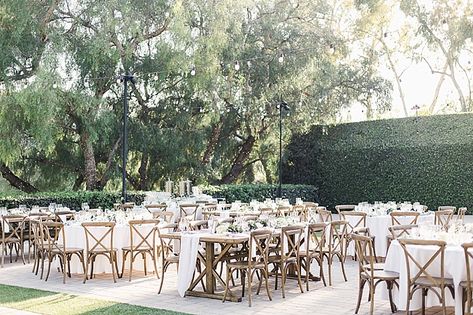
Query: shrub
248, 192
425, 159
70, 199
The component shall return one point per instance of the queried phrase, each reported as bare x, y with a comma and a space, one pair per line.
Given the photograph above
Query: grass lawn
52, 303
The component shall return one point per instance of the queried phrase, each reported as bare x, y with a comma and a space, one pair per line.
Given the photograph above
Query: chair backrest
365, 254
265, 210
164, 216
292, 236
143, 233
166, 244
12, 227
404, 217
417, 268
189, 211
312, 205
210, 207
65, 215
259, 245
98, 235
249, 217
468, 263
324, 214
283, 211
50, 232
300, 210
355, 219
154, 207
315, 239
443, 217
341, 208
199, 225
461, 214
400, 231
441, 208
337, 236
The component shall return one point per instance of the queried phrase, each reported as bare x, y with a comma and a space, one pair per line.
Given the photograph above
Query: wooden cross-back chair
300, 211
291, 236
209, 210
99, 241
283, 211
29, 226
188, 211
13, 235
467, 284
142, 242
165, 251
64, 216
403, 217
401, 231
442, 208
369, 274
314, 245
266, 210
336, 246
54, 246
354, 219
443, 217
153, 207
257, 260
461, 214
423, 279
340, 208
197, 225
324, 214
365, 231
164, 216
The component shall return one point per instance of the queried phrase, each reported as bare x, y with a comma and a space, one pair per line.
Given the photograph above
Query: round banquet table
455, 268
379, 225
75, 237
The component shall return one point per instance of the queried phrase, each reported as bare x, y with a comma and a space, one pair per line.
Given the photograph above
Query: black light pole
282, 105
125, 78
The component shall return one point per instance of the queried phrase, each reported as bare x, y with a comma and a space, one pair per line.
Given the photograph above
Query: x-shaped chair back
443, 217
324, 214
67, 215
315, 240
50, 233
197, 225
365, 254
341, 208
461, 214
337, 236
189, 211
258, 250
413, 263
157, 206
266, 211
164, 216
166, 246
283, 211
400, 217
96, 234
401, 231
441, 208
143, 234
12, 227
292, 236
358, 219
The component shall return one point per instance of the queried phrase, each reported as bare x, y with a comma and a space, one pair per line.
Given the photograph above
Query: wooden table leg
209, 262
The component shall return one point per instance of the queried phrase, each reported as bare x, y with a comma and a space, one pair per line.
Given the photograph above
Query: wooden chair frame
165, 251
189, 211
315, 243
396, 215
413, 283
443, 217
336, 247
145, 245
324, 214
467, 285
96, 247
344, 208
461, 214
14, 237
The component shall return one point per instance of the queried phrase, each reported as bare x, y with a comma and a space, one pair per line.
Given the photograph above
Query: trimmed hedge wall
248, 192
425, 159
68, 199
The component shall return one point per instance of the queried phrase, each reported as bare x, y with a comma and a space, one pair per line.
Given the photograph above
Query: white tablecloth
75, 237
379, 225
454, 268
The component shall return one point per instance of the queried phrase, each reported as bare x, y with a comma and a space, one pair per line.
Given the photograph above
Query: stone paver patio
339, 299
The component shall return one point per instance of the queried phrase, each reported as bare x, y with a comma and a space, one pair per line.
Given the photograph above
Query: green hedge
72, 200
425, 159
248, 192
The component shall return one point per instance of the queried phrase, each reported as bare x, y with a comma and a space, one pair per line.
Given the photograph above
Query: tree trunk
90, 172
239, 162
212, 143
15, 181
267, 171
143, 170
437, 89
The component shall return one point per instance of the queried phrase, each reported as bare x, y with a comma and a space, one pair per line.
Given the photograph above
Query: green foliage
69, 199
249, 192
425, 159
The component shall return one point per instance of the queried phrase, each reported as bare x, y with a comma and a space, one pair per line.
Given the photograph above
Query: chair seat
277, 259
376, 266
244, 265
464, 284
172, 259
103, 250
12, 240
303, 253
425, 282
137, 249
68, 250
382, 275
326, 250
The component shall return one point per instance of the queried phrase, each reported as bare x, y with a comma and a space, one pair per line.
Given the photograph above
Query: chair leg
343, 269
330, 260
227, 284
266, 281
144, 262
163, 268
250, 279
360, 294
49, 268
276, 276
390, 285
283, 280
299, 280
86, 270
64, 261
307, 271
371, 296
424, 294
155, 264
113, 263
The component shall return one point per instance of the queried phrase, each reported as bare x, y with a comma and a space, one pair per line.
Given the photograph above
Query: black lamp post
282, 105
125, 78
